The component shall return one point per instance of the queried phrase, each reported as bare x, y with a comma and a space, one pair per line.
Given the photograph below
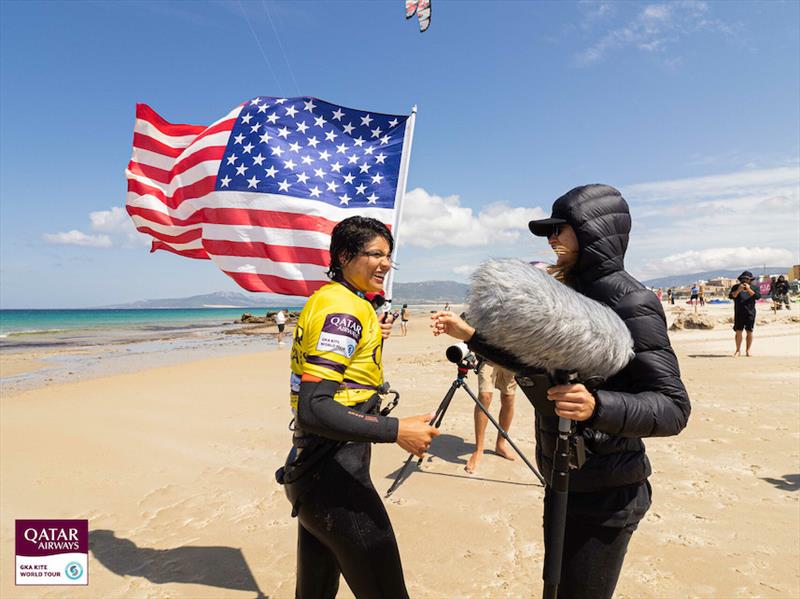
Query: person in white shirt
280, 320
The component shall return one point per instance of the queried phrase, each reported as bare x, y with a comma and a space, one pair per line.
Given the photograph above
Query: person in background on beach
491, 377
695, 295
670, 296
608, 497
702, 295
405, 314
336, 373
446, 306
660, 294
744, 310
780, 293
280, 320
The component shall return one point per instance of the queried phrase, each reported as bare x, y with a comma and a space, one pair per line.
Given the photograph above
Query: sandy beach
173, 467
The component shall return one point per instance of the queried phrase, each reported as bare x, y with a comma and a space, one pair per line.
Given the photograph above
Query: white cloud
465, 269
594, 11
75, 237
717, 258
110, 221
721, 221
781, 180
430, 220
115, 227
654, 28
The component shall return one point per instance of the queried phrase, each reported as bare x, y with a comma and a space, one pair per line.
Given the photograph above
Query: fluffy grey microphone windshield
523, 310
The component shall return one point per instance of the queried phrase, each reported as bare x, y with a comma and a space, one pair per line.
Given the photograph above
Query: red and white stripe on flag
266, 242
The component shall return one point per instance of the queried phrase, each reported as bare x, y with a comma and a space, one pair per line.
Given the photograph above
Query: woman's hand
386, 323
450, 324
572, 401
414, 434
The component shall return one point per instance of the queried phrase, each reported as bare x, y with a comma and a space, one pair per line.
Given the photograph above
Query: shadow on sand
709, 355
450, 448
789, 482
220, 567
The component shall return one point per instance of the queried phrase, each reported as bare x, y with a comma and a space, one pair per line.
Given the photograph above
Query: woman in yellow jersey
336, 372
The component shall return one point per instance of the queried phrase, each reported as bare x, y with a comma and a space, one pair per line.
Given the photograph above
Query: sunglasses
555, 231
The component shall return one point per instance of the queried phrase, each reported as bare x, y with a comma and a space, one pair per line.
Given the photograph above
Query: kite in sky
422, 8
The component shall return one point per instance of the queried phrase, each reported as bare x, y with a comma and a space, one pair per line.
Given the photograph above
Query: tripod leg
400, 476
503, 433
435, 421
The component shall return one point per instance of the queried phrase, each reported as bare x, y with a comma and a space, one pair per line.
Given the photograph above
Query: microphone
519, 308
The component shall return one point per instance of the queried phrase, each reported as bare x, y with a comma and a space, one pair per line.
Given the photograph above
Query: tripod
469, 362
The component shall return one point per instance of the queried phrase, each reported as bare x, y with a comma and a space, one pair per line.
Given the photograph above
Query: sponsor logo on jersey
340, 334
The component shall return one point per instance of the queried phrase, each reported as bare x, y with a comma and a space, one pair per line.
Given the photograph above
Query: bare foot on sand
748, 354
504, 452
736, 354
472, 463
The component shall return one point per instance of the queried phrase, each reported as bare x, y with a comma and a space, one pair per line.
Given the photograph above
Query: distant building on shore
719, 286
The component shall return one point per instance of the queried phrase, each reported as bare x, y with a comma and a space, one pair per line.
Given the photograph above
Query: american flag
260, 190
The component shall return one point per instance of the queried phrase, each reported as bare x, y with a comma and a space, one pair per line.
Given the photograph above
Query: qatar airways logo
340, 334
343, 323
52, 552
53, 538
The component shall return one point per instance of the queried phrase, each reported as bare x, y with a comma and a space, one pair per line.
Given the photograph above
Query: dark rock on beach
263, 324
693, 321
248, 318
269, 318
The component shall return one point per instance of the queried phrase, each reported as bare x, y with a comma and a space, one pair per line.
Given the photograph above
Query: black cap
544, 226
746, 275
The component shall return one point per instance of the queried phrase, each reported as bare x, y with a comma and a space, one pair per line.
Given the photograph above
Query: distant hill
688, 279
220, 299
429, 292
426, 292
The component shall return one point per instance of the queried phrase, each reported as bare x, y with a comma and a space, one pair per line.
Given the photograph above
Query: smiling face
368, 268
565, 245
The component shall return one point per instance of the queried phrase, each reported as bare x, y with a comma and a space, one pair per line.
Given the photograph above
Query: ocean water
72, 345
16, 323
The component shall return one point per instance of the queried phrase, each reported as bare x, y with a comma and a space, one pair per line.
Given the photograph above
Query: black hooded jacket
645, 399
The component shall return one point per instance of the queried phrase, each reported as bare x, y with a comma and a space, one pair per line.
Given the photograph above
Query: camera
461, 355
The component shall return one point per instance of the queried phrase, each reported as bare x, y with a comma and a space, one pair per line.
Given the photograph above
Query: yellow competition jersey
338, 338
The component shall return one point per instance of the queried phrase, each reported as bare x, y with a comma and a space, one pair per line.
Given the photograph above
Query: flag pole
402, 178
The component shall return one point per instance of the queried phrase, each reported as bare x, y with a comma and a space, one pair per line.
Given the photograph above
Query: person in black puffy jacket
610, 494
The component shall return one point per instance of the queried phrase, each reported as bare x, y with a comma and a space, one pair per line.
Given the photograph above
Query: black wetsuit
343, 526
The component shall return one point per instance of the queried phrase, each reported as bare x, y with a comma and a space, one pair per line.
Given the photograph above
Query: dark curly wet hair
349, 238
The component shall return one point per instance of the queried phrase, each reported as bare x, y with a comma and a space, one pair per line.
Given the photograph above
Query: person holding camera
610, 494
744, 298
336, 376
780, 293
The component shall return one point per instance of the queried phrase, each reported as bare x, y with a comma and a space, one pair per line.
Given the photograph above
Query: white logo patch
344, 345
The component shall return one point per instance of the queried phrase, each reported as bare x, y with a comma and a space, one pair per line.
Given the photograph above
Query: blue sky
692, 109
